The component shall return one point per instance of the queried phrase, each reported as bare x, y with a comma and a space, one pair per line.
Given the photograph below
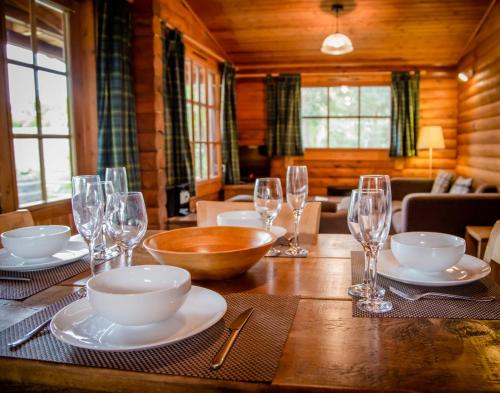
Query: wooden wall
479, 105
342, 167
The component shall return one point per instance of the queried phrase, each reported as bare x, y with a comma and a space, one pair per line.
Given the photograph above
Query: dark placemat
253, 358
430, 307
40, 280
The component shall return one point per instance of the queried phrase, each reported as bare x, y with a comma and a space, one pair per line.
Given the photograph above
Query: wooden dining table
327, 349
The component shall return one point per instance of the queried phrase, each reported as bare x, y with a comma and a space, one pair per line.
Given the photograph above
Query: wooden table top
327, 349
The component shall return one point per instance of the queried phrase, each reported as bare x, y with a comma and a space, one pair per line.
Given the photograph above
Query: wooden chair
207, 212
18, 219
492, 252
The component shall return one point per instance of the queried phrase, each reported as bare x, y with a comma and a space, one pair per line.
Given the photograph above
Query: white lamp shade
430, 137
337, 44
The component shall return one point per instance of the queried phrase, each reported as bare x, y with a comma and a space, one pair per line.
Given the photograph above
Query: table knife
8, 278
235, 328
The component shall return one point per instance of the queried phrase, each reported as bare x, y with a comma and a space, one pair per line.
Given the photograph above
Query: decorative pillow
461, 186
442, 182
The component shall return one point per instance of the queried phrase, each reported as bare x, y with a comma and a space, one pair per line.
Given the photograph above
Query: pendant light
337, 43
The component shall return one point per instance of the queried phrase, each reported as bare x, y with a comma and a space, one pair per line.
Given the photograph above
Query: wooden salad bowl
210, 253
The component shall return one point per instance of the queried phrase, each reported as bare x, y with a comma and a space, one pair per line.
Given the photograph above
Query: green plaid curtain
404, 114
230, 157
283, 116
117, 135
177, 146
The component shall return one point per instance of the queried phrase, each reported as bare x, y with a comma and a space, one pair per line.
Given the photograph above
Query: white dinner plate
74, 250
467, 270
78, 325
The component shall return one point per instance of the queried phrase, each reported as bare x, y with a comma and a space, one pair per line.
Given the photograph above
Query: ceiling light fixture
337, 43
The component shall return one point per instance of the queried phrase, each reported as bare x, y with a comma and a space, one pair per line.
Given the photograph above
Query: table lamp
430, 137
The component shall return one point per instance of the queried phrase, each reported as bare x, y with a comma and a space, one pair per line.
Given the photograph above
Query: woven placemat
430, 307
253, 358
40, 280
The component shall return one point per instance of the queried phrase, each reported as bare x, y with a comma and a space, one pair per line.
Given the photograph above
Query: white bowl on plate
240, 218
427, 251
139, 295
36, 242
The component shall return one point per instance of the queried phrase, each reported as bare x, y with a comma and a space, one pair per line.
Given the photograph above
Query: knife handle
221, 355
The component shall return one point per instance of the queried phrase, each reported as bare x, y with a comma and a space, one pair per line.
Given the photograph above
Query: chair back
17, 219
207, 212
492, 252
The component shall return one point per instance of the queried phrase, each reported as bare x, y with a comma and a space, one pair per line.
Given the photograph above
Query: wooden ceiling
264, 33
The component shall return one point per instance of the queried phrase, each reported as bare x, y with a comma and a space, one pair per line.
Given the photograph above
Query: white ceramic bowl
240, 218
139, 295
36, 242
427, 251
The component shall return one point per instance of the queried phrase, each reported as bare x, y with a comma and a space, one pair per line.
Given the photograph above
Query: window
203, 111
346, 117
39, 105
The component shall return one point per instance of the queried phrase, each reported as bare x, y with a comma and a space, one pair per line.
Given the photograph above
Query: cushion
344, 204
461, 186
397, 221
396, 206
442, 182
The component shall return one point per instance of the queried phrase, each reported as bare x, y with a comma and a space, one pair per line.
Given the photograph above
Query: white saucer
78, 325
467, 270
278, 231
74, 250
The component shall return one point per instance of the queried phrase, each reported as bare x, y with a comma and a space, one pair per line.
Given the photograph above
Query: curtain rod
199, 45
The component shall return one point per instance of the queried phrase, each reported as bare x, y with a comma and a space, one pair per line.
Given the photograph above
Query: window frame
209, 185
39, 136
359, 117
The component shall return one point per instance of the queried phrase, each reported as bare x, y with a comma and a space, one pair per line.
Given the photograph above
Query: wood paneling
270, 32
342, 167
479, 105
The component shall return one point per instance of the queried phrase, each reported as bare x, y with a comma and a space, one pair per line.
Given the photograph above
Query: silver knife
235, 328
8, 278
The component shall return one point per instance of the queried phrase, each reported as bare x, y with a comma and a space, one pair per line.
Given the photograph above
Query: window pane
17, 23
375, 133
189, 115
197, 161
22, 99
27, 158
53, 103
50, 38
203, 123
203, 97
211, 88
344, 133
214, 160
314, 133
375, 101
314, 101
187, 82
196, 122
211, 125
344, 101
57, 162
204, 161
196, 84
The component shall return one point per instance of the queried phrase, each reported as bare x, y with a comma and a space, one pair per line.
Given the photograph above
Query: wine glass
361, 289
87, 203
296, 195
118, 177
268, 199
372, 220
102, 251
126, 222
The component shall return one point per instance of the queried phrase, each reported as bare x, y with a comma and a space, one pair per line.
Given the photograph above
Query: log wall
479, 105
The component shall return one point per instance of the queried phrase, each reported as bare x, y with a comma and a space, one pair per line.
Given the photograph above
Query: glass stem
366, 276
269, 224
91, 251
296, 216
103, 240
129, 257
373, 273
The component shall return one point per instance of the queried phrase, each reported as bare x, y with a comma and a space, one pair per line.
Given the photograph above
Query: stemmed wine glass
118, 177
373, 222
87, 202
296, 195
268, 199
102, 251
382, 182
126, 222
361, 289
